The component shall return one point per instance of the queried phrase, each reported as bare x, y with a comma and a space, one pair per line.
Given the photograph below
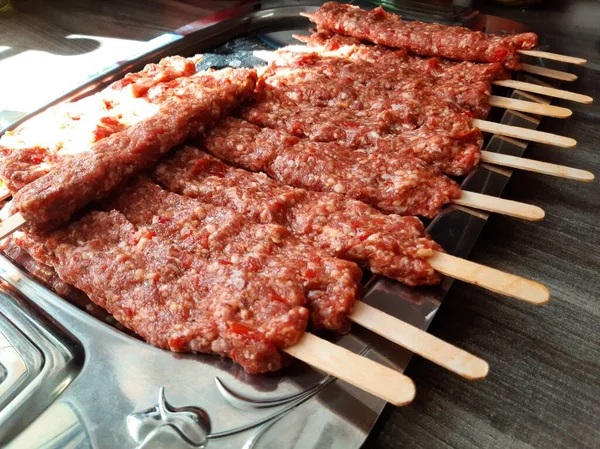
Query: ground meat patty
168, 69
86, 177
425, 39
392, 183
353, 77
455, 152
330, 284
48, 277
195, 277
36, 147
391, 245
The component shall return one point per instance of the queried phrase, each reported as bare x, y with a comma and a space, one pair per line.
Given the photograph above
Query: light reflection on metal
190, 425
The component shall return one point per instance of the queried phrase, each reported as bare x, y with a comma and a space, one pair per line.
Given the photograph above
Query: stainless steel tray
68, 380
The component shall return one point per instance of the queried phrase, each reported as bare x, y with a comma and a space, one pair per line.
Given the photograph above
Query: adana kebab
380, 99
367, 67
329, 98
392, 183
189, 276
424, 39
391, 245
194, 103
40, 144
357, 79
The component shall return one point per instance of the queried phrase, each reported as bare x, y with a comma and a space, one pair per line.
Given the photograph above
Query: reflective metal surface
91, 386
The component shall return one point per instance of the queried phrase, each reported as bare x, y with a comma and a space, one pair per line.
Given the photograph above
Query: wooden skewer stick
543, 90
537, 166
4, 192
500, 206
420, 342
370, 376
549, 73
11, 224
525, 134
490, 278
530, 107
553, 56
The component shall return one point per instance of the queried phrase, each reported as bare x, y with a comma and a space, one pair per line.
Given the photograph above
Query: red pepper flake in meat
425, 39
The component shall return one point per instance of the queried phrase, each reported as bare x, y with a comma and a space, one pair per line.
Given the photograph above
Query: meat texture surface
425, 39
57, 134
390, 182
390, 245
189, 276
193, 103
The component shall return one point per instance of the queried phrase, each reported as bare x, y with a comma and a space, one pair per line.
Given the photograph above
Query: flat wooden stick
370, 376
536, 166
543, 90
500, 206
11, 224
420, 342
525, 134
553, 56
530, 107
490, 278
548, 73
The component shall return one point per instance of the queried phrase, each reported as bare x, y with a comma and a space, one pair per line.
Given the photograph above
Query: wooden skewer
4, 192
530, 107
525, 134
370, 376
543, 90
420, 342
490, 278
469, 199
500, 205
11, 224
549, 73
553, 56
537, 166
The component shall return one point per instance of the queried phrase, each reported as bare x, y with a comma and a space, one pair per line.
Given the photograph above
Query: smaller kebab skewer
536, 107
451, 266
529, 107
353, 21
534, 166
524, 134
509, 103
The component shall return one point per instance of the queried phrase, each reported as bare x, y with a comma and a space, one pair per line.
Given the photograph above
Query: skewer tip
409, 392
541, 295
537, 213
568, 142
478, 370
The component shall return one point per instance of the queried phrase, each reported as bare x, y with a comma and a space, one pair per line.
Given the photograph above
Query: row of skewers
304, 120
